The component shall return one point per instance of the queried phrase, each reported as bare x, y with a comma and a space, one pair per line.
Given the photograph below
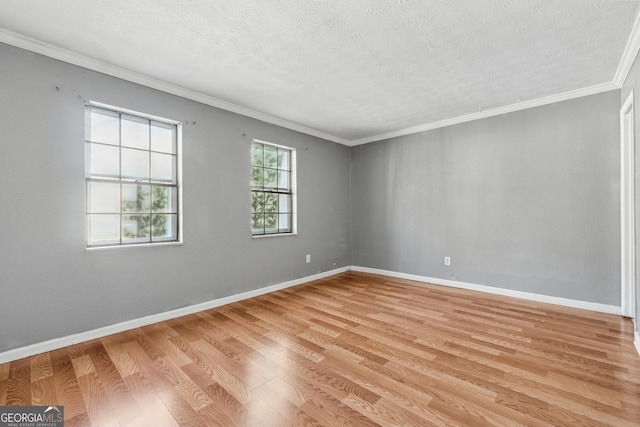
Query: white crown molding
565, 302
565, 96
46, 49
629, 54
57, 343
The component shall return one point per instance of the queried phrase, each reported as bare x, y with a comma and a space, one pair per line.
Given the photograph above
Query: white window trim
294, 193
265, 236
132, 245
180, 229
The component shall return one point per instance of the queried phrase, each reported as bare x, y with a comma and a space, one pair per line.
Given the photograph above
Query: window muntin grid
272, 198
131, 178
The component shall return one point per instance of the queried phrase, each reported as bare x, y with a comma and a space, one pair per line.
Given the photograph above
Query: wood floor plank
99, 408
390, 389
117, 351
41, 367
214, 417
571, 399
460, 393
4, 371
147, 367
269, 409
19, 383
227, 404
153, 411
3, 392
117, 391
353, 349
68, 388
189, 391
222, 371
43, 392
180, 410
83, 365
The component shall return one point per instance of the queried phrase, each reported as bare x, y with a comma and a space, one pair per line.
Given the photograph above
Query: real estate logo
31, 416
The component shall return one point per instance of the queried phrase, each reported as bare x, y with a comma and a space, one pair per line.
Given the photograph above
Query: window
272, 189
132, 178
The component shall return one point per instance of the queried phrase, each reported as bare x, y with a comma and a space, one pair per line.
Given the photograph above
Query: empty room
319, 213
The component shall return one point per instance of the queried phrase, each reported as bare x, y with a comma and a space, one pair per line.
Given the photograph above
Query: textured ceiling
351, 69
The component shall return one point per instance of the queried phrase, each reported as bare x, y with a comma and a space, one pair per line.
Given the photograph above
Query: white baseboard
61, 342
585, 305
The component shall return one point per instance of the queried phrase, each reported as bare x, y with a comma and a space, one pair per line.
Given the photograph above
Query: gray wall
52, 287
633, 83
526, 201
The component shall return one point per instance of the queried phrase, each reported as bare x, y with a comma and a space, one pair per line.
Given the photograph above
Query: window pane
103, 229
257, 155
135, 228
163, 167
284, 223
257, 201
135, 164
283, 180
103, 160
271, 223
256, 177
135, 198
135, 132
284, 203
164, 200
283, 160
104, 127
103, 197
163, 137
271, 203
270, 157
257, 224
164, 227
270, 178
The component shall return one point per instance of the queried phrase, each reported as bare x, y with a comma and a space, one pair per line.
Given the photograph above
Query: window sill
137, 245
265, 236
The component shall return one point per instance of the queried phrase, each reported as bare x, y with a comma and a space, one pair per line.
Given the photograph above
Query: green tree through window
152, 224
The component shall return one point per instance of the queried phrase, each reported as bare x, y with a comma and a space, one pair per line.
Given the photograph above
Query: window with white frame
272, 189
132, 178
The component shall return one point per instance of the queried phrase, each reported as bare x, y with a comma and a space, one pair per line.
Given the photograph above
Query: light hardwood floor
351, 350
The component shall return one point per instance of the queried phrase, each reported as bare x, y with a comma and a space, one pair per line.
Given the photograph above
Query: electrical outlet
447, 260
308, 258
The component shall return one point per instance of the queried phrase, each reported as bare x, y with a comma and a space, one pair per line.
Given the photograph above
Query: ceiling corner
629, 54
